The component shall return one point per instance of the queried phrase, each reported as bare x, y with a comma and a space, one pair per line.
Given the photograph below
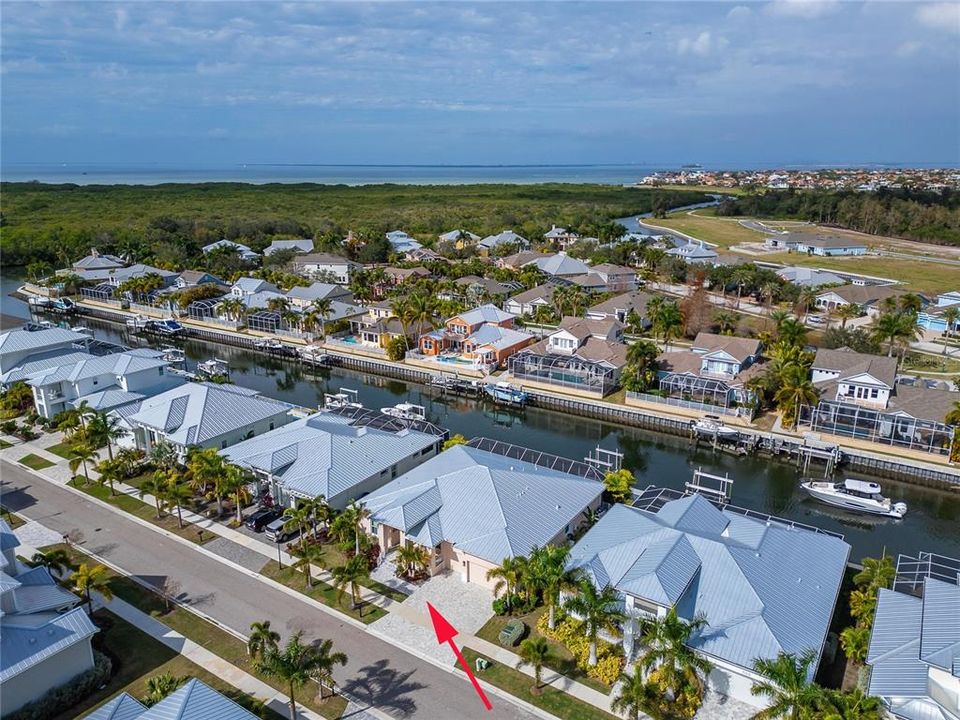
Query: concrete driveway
465, 605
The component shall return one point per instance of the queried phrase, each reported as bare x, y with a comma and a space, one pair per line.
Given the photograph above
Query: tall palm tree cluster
786, 382
295, 663
640, 372
897, 323
524, 582
666, 319
876, 574
139, 288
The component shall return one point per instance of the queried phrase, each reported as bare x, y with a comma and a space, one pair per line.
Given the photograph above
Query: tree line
165, 224
925, 216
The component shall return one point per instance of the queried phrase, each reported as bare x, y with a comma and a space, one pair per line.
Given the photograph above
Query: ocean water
111, 174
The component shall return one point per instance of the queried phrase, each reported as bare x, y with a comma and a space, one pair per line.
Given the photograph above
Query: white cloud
120, 17
940, 16
909, 48
740, 12
806, 9
701, 45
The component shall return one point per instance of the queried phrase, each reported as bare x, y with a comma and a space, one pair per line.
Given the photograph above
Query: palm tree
262, 640
176, 494
806, 300
156, 486
110, 472
236, 483
890, 328
598, 609
742, 275
109, 430
678, 667
356, 512
876, 573
297, 518
796, 390
411, 559
535, 651
668, 322
293, 666
324, 662
323, 308
553, 576
507, 576
164, 456
307, 554
83, 454
847, 312
726, 321
786, 685
950, 317
637, 697
56, 561
778, 317
853, 705
424, 311
953, 417
855, 641
159, 686
348, 576
89, 579
320, 512
792, 332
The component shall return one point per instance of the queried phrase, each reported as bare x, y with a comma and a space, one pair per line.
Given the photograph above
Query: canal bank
763, 484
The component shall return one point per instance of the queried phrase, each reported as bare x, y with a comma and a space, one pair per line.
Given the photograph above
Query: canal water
768, 486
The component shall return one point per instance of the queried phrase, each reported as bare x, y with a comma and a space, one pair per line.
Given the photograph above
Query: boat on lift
170, 328
504, 392
214, 368
406, 411
344, 399
173, 355
39, 325
39, 302
856, 495
712, 426
63, 305
138, 322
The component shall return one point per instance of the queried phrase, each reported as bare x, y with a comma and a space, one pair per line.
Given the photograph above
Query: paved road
378, 673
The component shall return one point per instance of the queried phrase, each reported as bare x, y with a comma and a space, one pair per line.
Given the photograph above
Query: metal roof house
304, 245
473, 505
914, 654
765, 585
203, 415
694, 252
195, 700
243, 251
508, 237
44, 637
342, 455
401, 242
16, 346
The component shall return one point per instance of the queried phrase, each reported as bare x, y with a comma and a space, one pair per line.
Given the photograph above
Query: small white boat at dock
712, 426
406, 411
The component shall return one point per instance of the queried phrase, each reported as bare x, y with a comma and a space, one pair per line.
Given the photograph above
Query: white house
247, 286
302, 297
342, 455
561, 236
764, 585
44, 637
868, 297
104, 381
338, 268
694, 252
527, 302
303, 245
852, 377
243, 251
507, 238
203, 415
401, 242
828, 245
16, 346
622, 307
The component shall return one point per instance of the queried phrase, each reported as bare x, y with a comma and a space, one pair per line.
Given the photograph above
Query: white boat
856, 495
712, 425
506, 393
406, 411
214, 367
137, 322
345, 398
173, 355
38, 301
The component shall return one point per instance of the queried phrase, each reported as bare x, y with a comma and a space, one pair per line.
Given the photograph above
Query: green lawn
35, 462
562, 660
13, 520
137, 657
333, 556
64, 450
719, 231
321, 592
207, 635
143, 510
4, 444
519, 685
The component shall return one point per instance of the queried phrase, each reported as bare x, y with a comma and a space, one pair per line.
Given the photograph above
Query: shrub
397, 349
571, 633
60, 699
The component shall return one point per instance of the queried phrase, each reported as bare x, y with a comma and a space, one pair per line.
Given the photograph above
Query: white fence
690, 404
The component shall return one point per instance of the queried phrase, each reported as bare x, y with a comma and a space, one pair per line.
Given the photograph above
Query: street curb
219, 558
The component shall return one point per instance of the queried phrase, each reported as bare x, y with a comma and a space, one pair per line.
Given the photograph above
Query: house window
874, 393
271, 426
223, 444
160, 371
437, 555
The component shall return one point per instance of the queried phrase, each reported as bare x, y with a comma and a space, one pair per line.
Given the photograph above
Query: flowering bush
571, 633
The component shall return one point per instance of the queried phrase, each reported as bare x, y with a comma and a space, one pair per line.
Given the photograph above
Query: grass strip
35, 462
64, 450
143, 511
520, 686
321, 592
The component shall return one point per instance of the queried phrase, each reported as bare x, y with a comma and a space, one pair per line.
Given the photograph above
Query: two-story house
623, 307
853, 377
18, 346
240, 249
302, 297
528, 301
714, 371
104, 382
482, 336
616, 278
460, 238
694, 252
582, 354
247, 286
324, 265
508, 239
561, 236
192, 278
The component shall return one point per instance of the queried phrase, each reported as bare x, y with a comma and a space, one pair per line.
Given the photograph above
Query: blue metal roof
940, 634
894, 652
489, 505
122, 707
764, 587
28, 639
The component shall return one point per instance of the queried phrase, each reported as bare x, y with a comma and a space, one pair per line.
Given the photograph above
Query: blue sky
720, 83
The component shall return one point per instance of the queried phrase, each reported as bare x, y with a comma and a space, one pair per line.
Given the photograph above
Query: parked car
276, 533
259, 520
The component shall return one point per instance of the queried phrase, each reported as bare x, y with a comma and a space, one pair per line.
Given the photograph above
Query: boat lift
604, 460
717, 487
343, 398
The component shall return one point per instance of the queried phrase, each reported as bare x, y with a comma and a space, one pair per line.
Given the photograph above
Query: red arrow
445, 634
